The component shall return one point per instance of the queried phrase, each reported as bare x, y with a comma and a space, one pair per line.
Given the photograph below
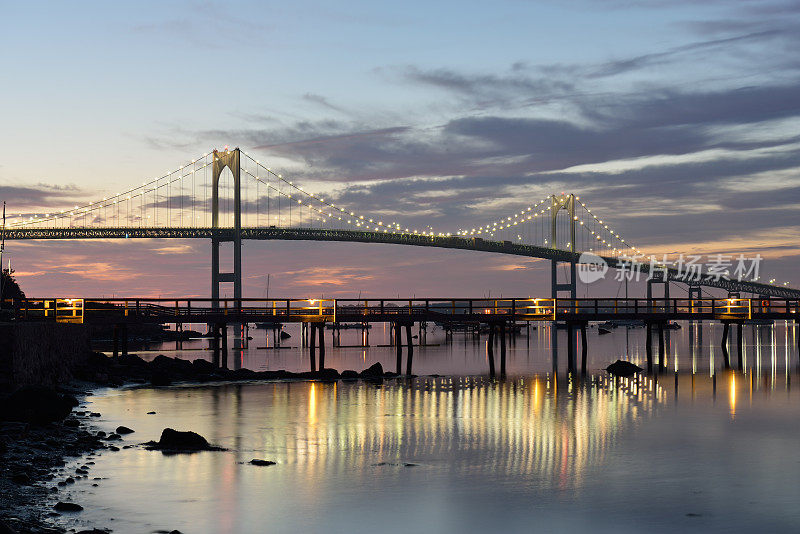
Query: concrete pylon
229, 159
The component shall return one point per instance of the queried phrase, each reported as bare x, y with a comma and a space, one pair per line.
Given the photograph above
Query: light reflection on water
529, 452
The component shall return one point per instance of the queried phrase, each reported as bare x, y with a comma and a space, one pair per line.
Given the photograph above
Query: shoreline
34, 455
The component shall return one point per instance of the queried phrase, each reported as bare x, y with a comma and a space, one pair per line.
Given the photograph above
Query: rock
203, 366
5, 529
67, 507
100, 434
112, 448
93, 531
602, 331
113, 437
623, 368
124, 430
151, 413
69, 480
36, 404
160, 378
177, 441
94, 414
80, 471
373, 371
256, 461
349, 374
72, 423
327, 374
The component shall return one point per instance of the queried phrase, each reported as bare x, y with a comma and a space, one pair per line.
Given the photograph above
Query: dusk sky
675, 120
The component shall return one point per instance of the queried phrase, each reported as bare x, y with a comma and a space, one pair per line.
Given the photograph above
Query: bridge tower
557, 204
229, 159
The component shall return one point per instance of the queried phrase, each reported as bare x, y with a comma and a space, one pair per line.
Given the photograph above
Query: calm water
713, 450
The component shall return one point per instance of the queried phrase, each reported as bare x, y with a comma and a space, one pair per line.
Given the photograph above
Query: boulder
373, 371
181, 441
67, 507
349, 374
124, 430
36, 404
203, 366
256, 461
623, 369
160, 378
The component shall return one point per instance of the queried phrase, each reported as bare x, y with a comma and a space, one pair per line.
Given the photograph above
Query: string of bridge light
349, 217
507, 222
361, 220
531, 212
606, 227
115, 199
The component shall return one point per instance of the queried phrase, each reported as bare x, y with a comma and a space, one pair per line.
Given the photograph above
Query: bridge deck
164, 311
397, 238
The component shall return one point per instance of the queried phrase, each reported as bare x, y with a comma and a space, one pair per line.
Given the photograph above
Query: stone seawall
41, 353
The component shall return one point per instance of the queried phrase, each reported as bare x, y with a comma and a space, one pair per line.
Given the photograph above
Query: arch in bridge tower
567, 203
231, 160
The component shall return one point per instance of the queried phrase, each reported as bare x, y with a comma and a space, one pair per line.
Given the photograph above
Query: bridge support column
649, 347
584, 346
321, 330
124, 335
215, 344
662, 353
231, 160
739, 345
490, 349
503, 349
726, 326
398, 342
410, 357
570, 348
116, 340
313, 346
224, 354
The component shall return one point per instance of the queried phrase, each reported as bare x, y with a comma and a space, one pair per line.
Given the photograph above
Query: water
713, 450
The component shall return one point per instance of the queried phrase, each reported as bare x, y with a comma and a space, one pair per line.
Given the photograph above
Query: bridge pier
124, 335
584, 347
321, 331
116, 340
739, 344
490, 350
662, 353
649, 346
726, 326
224, 355
398, 342
410, 341
570, 348
503, 349
313, 346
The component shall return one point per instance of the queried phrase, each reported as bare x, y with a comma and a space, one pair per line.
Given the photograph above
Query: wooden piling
649, 347
398, 342
116, 340
224, 353
490, 349
410, 356
313, 346
321, 330
662, 353
503, 349
584, 348
739, 345
725, 357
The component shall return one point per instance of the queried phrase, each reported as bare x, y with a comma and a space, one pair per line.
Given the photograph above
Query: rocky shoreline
43, 428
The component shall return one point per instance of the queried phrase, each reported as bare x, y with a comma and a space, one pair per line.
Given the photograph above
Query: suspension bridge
190, 202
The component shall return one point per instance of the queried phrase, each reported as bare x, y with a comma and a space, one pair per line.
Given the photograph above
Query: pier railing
200, 310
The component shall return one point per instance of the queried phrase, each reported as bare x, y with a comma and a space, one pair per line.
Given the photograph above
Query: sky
675, 120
